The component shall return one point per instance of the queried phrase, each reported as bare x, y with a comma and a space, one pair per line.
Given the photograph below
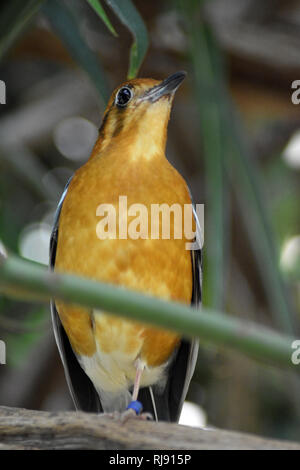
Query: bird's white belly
112, 367
113, 376
115, 372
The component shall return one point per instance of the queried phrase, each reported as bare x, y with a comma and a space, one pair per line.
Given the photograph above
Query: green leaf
66, 25
213, 145
33, 280
238, 161
130, 17
15, 15
29, 330
96, 5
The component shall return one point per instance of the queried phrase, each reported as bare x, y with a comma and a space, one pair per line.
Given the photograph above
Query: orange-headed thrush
109, 361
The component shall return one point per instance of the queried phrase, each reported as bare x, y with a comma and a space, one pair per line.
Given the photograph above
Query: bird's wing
81, 388
166, 403
188, 351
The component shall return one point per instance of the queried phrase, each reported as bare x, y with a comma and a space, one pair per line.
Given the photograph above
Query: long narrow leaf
30, 280
212, 139
249, 189
241, 169
128, 14
15, 15
96, 5
25, 334
66, 25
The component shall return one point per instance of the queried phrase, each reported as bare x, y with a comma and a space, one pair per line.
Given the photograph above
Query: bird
112, 364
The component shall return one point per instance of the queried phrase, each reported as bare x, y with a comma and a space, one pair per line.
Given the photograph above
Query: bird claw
130, 414
146, 416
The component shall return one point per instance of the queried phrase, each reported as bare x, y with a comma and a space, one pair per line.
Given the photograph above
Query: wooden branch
28, 429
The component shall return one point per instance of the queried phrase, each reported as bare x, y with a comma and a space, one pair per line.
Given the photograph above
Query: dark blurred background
234, 135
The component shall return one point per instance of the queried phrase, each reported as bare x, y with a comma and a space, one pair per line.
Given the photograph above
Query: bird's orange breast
160, 267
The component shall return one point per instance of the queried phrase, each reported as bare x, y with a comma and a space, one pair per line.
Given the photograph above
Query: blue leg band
136, 406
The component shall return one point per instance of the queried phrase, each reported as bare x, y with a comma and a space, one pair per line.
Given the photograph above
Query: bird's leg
140, 366
134, 409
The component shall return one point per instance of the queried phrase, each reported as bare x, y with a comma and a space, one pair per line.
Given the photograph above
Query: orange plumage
129, 160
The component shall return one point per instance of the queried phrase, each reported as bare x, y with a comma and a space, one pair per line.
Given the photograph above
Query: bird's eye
123, 97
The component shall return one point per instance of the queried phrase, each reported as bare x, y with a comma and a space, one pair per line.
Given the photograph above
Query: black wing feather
81, 387
169, 401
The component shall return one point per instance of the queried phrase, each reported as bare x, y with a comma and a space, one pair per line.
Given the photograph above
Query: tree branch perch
28, 429
27, 279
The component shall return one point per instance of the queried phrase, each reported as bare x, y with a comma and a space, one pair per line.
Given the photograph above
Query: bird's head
137, 115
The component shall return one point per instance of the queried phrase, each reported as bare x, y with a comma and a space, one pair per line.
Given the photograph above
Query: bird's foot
133, 411
131, 414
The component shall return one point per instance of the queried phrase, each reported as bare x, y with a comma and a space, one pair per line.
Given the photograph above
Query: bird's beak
166, 87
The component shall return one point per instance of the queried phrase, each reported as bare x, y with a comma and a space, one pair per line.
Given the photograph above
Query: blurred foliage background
234, 135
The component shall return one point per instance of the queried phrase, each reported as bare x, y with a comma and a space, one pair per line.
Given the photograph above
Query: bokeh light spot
75, 137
